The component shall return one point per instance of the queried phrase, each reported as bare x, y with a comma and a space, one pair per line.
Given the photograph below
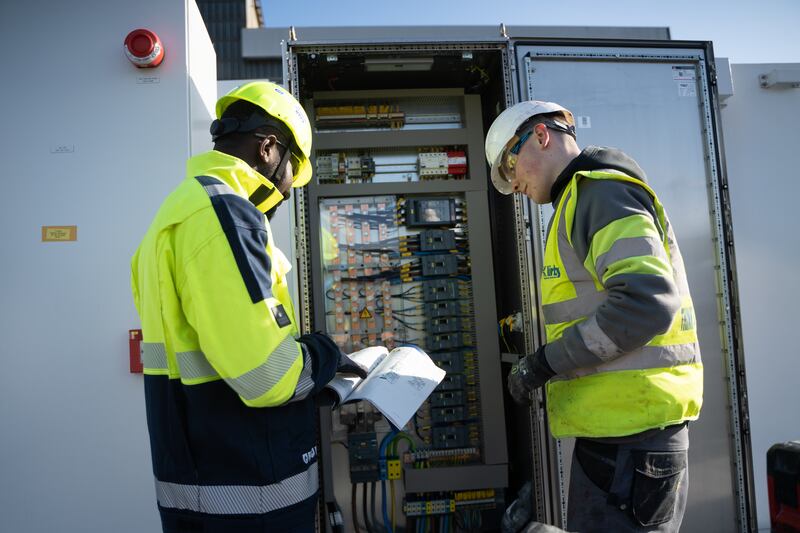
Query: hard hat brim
302, 178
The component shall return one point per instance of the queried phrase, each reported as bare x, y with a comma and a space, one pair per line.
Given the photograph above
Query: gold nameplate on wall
59, 233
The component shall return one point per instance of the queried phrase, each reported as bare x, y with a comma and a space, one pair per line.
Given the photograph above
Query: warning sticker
683, 72
687, 88
365, 314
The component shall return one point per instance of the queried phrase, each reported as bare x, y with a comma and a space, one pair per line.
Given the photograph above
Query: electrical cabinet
402, 240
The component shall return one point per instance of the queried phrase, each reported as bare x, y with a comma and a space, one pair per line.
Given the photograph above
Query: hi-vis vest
655, 386
232, 426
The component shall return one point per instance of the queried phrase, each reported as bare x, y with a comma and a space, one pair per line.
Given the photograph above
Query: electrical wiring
354, 507
373, 499
366, 509
391, 500
384, 511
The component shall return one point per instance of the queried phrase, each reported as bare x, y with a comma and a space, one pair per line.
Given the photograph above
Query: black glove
519, 513
348, 366
527, 375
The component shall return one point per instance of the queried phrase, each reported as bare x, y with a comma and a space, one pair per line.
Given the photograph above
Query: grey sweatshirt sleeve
640, 304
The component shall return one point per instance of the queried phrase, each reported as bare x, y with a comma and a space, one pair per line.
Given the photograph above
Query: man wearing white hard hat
621, 364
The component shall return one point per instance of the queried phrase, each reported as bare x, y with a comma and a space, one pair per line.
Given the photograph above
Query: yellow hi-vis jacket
615, 390
228, 388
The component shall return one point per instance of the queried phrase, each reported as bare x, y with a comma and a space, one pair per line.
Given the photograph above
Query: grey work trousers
634, 487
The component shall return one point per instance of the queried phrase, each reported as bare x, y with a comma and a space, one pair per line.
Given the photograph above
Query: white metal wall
74, 453
761, 140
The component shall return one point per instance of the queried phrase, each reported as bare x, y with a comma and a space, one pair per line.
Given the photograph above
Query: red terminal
144, 48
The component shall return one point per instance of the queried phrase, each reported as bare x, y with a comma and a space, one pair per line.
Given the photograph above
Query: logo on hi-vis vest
551, 272
309, 455
687, 319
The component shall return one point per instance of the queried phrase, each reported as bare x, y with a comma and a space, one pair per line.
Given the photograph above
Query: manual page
399, 384
369, 358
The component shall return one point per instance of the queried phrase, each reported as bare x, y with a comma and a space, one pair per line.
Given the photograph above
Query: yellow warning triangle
365, 314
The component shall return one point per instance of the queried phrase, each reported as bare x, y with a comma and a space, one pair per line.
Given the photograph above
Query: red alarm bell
144, 49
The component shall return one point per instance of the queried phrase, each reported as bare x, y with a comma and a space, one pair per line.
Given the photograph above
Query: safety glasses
506, 171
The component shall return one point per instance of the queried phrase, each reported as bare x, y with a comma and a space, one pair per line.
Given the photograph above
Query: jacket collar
596, 158
234, 172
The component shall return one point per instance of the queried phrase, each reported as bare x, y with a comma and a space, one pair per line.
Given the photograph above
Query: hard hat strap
263, 192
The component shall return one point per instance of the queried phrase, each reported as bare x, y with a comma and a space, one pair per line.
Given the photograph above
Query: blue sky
745, 31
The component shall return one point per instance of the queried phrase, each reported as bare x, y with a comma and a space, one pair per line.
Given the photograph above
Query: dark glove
324, 358
519, 513
527, 375
348, 366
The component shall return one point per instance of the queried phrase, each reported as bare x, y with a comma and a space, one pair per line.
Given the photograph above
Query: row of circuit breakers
344, 167
395, 273
396, 270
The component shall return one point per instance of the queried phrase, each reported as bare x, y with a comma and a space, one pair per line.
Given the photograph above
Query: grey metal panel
763, 196
456, 478
265, 42
659, 116
488, 349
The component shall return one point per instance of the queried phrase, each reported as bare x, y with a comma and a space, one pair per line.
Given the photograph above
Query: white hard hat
504, 129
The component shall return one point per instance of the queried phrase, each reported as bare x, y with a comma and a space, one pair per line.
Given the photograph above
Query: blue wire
386, 522
382, 456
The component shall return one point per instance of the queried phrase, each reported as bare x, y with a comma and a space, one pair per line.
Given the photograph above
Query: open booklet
397, 382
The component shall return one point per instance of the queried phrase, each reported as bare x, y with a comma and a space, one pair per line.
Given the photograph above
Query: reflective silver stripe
260, 380
574, 268
630, 247
194, 365
678, 270
569, 310
154, 355
218, 189
597, 341
304, 383
642, 359
239, 499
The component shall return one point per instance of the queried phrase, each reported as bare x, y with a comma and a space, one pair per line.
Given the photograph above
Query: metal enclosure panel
654, 104
260, 43
764, 189
96, 143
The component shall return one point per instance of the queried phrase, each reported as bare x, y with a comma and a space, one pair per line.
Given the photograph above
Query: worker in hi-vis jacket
229, 384
621, 363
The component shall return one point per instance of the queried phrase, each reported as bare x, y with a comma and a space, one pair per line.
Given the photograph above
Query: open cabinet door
658, 105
